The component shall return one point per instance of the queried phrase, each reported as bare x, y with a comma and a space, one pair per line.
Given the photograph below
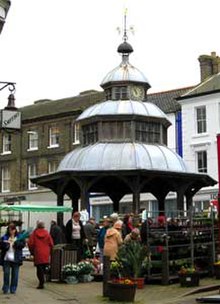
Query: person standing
91, 234
40, 245
127, 226
56, 233
101, 236
75, 234
11, 258
113, 240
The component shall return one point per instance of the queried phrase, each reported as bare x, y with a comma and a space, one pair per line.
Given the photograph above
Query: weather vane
131, 28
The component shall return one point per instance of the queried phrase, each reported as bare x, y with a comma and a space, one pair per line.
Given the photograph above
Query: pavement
84, 293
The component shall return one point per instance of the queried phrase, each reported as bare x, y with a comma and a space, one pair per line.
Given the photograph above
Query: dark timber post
106, 275
60, 214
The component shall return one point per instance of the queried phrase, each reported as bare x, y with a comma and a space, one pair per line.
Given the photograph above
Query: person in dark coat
91, 234
75, 234
127, 226
40, 245
11, 245
56, 233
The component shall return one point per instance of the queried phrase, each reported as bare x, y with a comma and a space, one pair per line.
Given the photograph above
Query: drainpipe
179, 133
218, 161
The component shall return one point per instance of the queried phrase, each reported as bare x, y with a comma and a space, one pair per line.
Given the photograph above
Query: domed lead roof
122, 156
124, 107
125, 72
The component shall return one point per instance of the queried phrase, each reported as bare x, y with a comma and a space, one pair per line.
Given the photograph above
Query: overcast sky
57, 48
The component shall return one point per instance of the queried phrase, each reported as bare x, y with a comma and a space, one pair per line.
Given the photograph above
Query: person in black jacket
75, 234
11, 245
56, 233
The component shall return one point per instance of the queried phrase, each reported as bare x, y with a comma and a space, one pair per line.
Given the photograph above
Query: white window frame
76, 132
32, 140
6, 144
52, 166
202, 169
6, 179
32, 172
202, 121
54, 136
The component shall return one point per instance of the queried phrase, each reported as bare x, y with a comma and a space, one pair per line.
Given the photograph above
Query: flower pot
189, 280
84, 278
71, 280
121, 292
217, 271
139, 282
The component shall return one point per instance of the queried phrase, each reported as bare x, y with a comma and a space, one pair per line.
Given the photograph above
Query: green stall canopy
35, 208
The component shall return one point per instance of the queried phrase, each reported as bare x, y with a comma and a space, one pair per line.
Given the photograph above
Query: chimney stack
209, 65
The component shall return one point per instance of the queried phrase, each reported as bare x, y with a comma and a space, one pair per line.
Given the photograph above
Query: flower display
125, 281
116, 268
70, 270
85, 267
186, 270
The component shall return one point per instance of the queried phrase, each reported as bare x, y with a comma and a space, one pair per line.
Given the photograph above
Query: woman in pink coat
40, 245
113, 240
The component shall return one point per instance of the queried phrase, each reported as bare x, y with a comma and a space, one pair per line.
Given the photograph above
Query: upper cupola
125, 81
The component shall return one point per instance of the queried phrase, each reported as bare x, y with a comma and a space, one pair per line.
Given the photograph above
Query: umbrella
35, 208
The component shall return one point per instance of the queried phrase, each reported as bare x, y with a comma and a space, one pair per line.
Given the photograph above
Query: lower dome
122, 156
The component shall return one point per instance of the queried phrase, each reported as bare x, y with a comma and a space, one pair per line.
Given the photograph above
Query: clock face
137, 92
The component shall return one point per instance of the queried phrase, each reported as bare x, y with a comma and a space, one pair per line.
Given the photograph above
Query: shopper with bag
40, 245
11, 258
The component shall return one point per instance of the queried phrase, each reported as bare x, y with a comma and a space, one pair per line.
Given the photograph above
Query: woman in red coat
40, 245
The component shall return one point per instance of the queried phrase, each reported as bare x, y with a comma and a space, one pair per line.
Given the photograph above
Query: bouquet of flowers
186, 270
70, 270
85, 267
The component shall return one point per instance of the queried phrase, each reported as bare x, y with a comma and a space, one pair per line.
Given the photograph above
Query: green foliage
132, 256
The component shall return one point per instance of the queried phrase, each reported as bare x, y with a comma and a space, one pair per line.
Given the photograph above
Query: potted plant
85, 269
70, 273
123, 290
132, 256
188, 276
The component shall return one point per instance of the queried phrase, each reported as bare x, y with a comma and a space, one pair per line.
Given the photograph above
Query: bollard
106, 275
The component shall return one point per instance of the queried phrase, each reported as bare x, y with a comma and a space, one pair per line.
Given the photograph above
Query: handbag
9, 256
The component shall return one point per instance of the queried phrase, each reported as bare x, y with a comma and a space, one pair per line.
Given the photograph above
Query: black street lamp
10, 117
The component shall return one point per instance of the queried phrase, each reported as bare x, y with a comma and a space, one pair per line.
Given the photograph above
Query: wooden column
84, 197
60, 214
136, 201
188, 201
161, 205
180, 199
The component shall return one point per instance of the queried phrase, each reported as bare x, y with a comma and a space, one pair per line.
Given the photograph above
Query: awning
35, 208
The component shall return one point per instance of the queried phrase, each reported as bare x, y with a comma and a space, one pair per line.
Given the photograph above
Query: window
6, 146
32, 172
201, 119
120, 93
148, 132
32, 140
52, 166
90, 134
54, 135
202, 161
6, 179
76, 133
